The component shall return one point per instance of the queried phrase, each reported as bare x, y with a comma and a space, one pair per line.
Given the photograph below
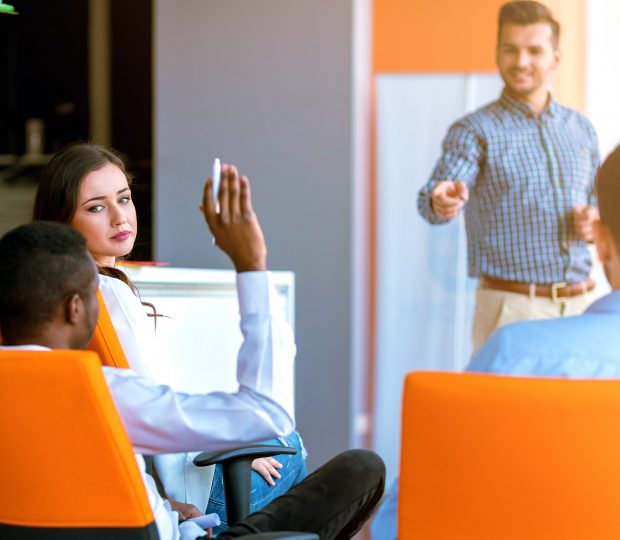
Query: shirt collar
24, 348
610, 303
511, 103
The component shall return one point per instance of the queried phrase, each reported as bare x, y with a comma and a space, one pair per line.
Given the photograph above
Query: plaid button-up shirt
524, 174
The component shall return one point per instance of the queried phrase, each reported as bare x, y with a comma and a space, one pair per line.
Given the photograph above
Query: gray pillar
268, 85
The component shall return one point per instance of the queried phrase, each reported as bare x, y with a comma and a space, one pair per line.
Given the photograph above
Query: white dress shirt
132, 326
262, 407
181, 479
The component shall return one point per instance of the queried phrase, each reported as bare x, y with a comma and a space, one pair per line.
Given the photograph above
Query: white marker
216, 176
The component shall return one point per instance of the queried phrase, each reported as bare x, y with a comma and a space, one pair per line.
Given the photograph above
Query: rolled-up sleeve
160, 420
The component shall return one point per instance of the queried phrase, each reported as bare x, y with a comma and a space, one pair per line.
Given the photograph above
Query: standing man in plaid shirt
523, 169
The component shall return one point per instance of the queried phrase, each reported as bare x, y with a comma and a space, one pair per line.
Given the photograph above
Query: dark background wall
44, 73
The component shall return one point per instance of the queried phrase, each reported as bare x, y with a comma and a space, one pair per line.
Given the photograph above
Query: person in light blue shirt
585, 346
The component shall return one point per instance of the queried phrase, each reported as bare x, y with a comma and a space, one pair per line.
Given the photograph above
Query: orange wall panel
413, 36
434, 35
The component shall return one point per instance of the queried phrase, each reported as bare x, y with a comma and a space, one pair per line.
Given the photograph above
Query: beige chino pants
497, 308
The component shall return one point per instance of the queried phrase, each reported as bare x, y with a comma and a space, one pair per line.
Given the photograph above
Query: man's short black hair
608, 193
41, 265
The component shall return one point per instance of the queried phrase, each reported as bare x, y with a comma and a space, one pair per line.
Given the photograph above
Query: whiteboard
198, 333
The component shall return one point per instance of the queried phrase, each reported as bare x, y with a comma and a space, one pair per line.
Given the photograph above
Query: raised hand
448, 197
584, 217
235, 227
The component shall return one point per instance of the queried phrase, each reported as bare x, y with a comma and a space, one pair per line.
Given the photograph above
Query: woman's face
105, 214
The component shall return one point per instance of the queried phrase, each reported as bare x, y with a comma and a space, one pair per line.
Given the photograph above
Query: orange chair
487, 457
105, 340
67, 467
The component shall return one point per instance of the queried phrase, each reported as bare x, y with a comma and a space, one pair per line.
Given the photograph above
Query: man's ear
74, 309
603, 241
557, 57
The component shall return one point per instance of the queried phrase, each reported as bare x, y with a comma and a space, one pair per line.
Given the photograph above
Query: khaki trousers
497, 308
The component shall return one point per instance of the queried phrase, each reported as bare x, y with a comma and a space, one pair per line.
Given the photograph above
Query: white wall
424, 297
602, 72
268, 85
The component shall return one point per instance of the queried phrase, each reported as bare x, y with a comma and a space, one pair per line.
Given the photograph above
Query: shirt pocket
578, 172
516, 164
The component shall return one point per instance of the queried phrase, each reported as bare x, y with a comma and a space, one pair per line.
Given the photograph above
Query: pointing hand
448, 197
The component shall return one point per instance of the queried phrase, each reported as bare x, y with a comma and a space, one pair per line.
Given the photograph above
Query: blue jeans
292, 472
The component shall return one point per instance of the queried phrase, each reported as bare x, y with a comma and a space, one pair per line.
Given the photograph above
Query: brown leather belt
554, 291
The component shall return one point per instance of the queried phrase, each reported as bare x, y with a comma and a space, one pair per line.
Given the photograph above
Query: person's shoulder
111, 281
124, 375
477, 120
114, 284
115, 291
568, 114
563, 346
567, 111
515, 343
541, 335
490, 109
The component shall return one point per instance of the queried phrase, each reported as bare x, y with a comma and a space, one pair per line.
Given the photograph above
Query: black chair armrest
282, 536
237, 468
243, 452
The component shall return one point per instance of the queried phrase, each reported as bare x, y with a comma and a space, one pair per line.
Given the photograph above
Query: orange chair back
105, 340
487, 457
67, 467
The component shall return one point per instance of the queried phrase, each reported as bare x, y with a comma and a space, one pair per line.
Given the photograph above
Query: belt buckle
554, 290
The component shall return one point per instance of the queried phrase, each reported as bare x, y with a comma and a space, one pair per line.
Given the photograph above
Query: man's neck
537, 100
46, 340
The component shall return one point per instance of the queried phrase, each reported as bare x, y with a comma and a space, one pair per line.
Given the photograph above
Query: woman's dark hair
59, 186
